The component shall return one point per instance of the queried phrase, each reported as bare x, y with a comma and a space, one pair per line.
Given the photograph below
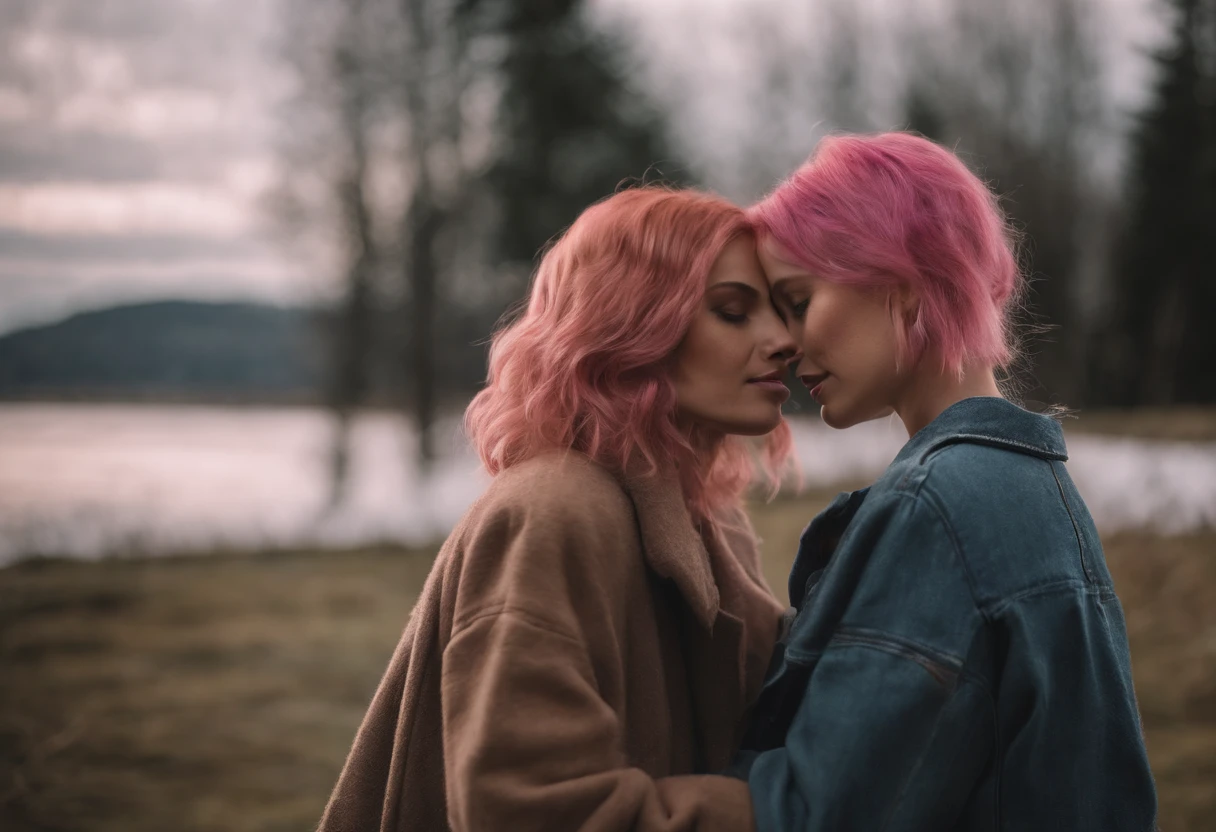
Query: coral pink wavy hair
586, 367
895, 209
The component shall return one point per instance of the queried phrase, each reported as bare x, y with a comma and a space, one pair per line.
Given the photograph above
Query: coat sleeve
530, 743
891, 732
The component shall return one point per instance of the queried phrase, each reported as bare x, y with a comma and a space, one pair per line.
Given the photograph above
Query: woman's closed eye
731, 314
794, 309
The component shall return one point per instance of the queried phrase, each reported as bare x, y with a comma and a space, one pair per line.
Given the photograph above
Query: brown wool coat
576, 647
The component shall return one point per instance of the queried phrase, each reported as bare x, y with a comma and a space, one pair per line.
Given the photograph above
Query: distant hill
168, 349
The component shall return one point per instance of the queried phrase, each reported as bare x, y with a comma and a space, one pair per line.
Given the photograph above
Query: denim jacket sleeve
893, 730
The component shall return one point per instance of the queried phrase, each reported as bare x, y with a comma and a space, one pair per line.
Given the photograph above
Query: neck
700, 435
930, 393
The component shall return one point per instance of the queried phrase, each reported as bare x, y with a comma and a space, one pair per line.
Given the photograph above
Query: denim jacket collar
819, 539
987, 420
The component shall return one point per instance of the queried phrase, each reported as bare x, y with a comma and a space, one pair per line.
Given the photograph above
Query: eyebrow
746, 288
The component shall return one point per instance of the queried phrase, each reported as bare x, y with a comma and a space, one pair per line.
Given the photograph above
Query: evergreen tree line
1160, 347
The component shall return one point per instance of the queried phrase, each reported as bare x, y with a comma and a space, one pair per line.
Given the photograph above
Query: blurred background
251, 252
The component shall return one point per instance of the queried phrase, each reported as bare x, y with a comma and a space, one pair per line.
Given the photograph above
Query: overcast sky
133, 148
135, 137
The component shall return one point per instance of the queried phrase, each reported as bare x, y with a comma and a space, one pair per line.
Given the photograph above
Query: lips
814, 382
771, 383
775, 375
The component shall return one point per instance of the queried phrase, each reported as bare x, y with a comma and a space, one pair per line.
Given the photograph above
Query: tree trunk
1160, 382
425, 224
352, 328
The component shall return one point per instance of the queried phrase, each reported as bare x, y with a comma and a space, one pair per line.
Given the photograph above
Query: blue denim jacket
959, 660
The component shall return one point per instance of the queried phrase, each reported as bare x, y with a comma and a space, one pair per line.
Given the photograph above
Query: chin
834, 420
840, 418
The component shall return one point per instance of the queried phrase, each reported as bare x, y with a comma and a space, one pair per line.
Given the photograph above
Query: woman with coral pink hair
959, 659
597, 624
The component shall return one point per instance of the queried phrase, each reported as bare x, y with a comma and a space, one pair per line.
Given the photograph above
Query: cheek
822, 332
851, 336
707, 358
725, 349
693, 351
875, 353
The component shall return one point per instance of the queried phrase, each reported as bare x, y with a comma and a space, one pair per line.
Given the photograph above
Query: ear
903, 305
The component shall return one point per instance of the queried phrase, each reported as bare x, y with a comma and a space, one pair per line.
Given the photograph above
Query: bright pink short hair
586, 367
896, 210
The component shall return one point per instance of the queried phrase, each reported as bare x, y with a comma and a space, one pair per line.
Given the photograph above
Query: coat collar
672, 546
987, 420
718, 574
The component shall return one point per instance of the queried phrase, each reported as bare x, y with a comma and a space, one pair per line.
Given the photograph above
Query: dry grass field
1182, 424
221, 693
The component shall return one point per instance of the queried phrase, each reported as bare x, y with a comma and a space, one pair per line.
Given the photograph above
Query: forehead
775, 257
781, 272
738, 263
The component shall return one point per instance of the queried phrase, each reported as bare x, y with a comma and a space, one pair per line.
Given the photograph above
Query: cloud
58, 249
135, 146
162, 206
138, 43
31, 153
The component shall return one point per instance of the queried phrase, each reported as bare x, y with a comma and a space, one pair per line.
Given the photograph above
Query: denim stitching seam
1075, 529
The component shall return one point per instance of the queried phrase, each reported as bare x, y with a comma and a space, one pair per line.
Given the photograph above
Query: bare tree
844, 67
384, 97
322, 198
786, 107
410, 93
439, 70
353, 327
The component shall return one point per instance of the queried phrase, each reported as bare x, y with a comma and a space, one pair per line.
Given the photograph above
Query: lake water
94, 480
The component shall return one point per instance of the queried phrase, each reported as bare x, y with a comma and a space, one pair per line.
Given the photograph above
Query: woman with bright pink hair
959, 659
597, 624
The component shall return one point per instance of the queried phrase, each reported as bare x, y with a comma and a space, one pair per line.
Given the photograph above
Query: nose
780, 344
